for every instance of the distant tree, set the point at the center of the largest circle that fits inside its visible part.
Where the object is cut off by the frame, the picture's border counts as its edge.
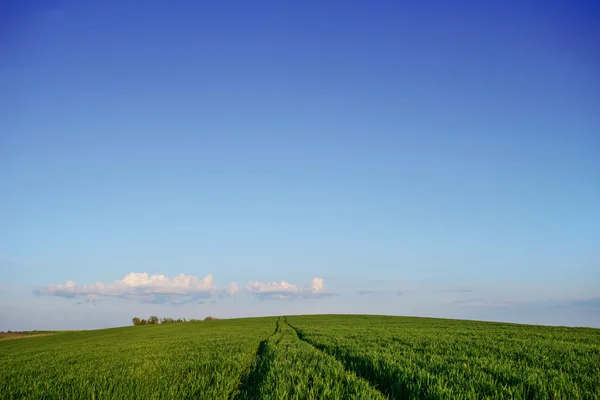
(136, 321)
(153, 320)
(143, 322)
(209, 318)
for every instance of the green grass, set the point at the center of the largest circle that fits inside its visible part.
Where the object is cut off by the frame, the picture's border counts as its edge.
(178, 361)
(307, 357)
(435, 358)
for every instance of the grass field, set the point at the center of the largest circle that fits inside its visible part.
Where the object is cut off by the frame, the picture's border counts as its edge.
(307, 357)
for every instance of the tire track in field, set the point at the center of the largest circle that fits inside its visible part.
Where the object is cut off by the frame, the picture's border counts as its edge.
(251, 382)
(348, 369)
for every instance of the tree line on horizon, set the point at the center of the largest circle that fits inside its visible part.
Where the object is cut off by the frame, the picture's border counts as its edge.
(154, 320)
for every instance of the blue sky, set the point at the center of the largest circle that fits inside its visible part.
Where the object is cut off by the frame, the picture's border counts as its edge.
(424, 158)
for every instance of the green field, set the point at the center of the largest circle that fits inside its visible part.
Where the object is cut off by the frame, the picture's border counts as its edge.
(307, 357)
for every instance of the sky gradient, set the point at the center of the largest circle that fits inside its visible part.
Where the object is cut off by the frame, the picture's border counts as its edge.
(406, 158)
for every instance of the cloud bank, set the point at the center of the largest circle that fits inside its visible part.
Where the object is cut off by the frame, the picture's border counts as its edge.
(181, 289)
(288, 291)
(142, 287)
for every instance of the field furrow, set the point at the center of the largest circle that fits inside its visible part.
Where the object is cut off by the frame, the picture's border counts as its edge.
(292, 369)
(253, 380)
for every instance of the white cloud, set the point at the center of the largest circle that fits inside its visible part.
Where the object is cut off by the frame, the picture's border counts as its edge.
(232, 289)
(317, 285)
(141, 287)
(287, 291)
(271, 287)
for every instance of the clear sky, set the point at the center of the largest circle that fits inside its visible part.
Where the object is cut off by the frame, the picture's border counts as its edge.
(428, 158)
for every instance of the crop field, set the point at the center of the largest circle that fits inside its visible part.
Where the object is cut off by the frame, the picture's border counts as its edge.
(307, 357)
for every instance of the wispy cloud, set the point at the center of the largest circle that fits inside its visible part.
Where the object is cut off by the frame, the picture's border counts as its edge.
(144, 288)
(457, 290)
(590, 303)
(472, 301)
(365, 292)
(89, 299)
(288, 291)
